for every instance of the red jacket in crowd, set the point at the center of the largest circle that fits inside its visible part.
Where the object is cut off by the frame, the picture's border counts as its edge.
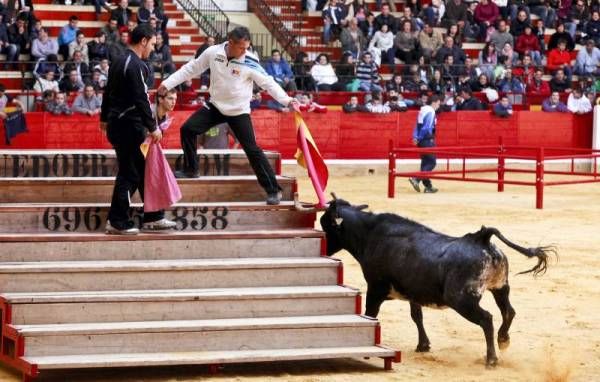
(489, 12)
(526, 43)
(539, 88)
(558, 58)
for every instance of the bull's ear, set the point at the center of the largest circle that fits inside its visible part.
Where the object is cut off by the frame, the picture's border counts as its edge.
(362, 207)
(339, 221)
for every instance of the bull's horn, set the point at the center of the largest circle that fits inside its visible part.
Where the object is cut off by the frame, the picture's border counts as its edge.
(334, 196)
(299, 207)
(362, 207)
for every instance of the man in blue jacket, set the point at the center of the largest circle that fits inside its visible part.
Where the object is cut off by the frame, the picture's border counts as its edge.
(278, 68)
(424, 136)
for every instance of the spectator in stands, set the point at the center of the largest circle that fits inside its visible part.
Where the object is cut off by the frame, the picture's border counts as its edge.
(588, 60)
(430, 41)
(481, 83)
(358, 9)
(148, 10)
(405, 44)
(578, 16)
(466, 101)
(161, 58)
(43, 46)
(59, 105)
(46, 82)
(560, 58)
(11, 50)
(346, 73)
(103, 67)
(353, 106)
(487, 14)
(503, 109)
(375, 105)
(471, 31)
(97, 82)
(119, 48)
(456, 13)
(391, 4)
(76, 63)
(510, 84)
(67, 35)
(382, 46)
(561, 35)
(307, 104)
(71, 83)
(333, 20)
(528, 44)
(500, 37)
(210, 41)
(512, 57)
(97, 48)
(592, 27)
(450, 49)
(488, 59)
(537, 85)
(560, 82)
(35, 30)
(111, 31)
(18, 35)
(278, 68)
(353, 39)
(517, 26)
(131, 24)
(553, 104)
(385, 17)
(87, 102)
(368, 74)
(577, 103)
(543, 10)
(302, 70)
(437, 84)
(100, 4)
(526, 71)
(416, 23)
(395, 84)
(369, 27)
(4, 101)
(81, 46)
(323, 74)
(122, 13)
(450, 71)
(470, 70)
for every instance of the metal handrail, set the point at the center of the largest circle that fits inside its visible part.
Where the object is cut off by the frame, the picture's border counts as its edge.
(208, 16)
(287, 32)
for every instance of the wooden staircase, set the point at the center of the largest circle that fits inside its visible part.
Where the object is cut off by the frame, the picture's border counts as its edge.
(238, 281)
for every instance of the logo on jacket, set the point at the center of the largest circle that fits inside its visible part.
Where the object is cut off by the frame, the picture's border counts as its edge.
(235, 72)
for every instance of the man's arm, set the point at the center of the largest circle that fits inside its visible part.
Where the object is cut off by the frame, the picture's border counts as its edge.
(141, 101)
(78, 106)
(191, 69)
(266, 82)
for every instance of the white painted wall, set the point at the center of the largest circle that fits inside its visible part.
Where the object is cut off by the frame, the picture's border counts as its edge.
(232, 5)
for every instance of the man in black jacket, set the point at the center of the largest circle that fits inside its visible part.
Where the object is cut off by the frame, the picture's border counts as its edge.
(466, 101)
(127, 117)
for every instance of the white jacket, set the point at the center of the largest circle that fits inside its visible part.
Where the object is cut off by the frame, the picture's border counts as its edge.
(382, 41)
(323, 74)
(231, 81)
(579, 105)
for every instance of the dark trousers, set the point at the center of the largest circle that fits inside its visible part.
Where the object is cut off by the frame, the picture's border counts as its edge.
(428, 161)
(241, 125)
(126, 140)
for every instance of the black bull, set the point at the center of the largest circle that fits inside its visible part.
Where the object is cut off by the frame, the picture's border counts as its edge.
(406, 260)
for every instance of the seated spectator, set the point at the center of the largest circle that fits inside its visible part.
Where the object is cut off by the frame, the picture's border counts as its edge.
(71, 83)
(97, 82)
(67, 35)
(540, 32)
(578, 17)
(450, 71)
(537, 85)
(76, 63)
(450, 49)
(161, 57)
(415, 22)
(278, 68)
(456, 13)
(59, 105)
(481, 84)
(512, 57)
(353, 106)
(353, 39)
(103, 67)
(466, 101)
(518, 24)
(81, 46)
(577, 103)
(382, 46)
(148, 11)
(18, 35)
(386, 17)
(376, 106)
(346, 73)
(333, 20)
(528, 44)
(47, 97)
(131, 24)
(87, 102)
(405, 44)
(35, 31)
(560, 82)
(437, 84)
(430, 41)
(119, 48)
(592, 27)
(561, 35)
(323, 74)
(510, 84)
(396, 103)
(433, 13)
(307, 104)
(97, 48)
(122, 13)
(111, 31)
(302, 71)
(10, 49)
(46, 82)
(553, 104)
(256, 102)
(488, 59)
(588, 60)
(368, 26)
(503, 109)
(487, 14)
(368, 74)
(526, 71)
(560, 58)
(501, 36)
(43, 46)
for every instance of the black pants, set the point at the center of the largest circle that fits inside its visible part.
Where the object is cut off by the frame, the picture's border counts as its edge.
(428, 161)
(241, 125)
(126, 139)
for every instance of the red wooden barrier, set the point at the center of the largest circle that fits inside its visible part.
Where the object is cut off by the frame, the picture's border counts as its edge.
(339, 135)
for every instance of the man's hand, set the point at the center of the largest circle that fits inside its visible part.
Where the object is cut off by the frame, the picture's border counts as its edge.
(156, 135)
(89, 112)
(162, 90)
(415, 142)
(294, 104)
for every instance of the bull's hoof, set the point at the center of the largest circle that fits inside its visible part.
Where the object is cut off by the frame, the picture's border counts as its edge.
(503, 343)
(423, 348)
(491, 362)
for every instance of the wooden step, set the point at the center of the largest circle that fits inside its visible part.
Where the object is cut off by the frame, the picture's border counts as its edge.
(205, 358)
(65, 276)
(241, 188)
(196, 335)
(233, 216)
(179, 304)
(83, 163)
(189, 245)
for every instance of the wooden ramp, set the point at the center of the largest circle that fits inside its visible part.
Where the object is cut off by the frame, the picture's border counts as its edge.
(238, 281)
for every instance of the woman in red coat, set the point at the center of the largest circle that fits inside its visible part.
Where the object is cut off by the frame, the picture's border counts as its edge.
(560, 58)
(486, 14)
(528, 43)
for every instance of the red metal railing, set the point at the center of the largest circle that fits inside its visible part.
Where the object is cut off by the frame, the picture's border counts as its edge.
(500, 153)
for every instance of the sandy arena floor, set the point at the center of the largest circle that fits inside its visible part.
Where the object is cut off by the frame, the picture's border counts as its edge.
(555, 335)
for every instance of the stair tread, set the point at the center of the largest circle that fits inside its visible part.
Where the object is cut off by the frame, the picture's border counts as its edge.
(101, 180)
(97, 328)
(209, 357)
(179, 294)
(161, 265)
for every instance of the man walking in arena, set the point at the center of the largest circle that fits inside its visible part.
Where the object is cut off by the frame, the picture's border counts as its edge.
(233, 70)
(127, 117)
(424, 136)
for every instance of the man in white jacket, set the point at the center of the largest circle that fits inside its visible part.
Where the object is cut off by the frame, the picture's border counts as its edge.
(233, 70)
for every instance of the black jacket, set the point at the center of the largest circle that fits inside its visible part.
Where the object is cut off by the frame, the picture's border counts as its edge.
(121, 15)
(126, 93)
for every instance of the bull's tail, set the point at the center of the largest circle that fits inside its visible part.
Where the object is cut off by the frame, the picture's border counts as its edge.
(542, 254)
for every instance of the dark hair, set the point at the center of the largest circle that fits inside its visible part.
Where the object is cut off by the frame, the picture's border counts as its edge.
(73, 18)
(88, 86)
(140, 32)
(2, 88)
(80, 33)
(275, 51)
(239, 34)
(100, 34)
(434, 98)
(322, 55)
